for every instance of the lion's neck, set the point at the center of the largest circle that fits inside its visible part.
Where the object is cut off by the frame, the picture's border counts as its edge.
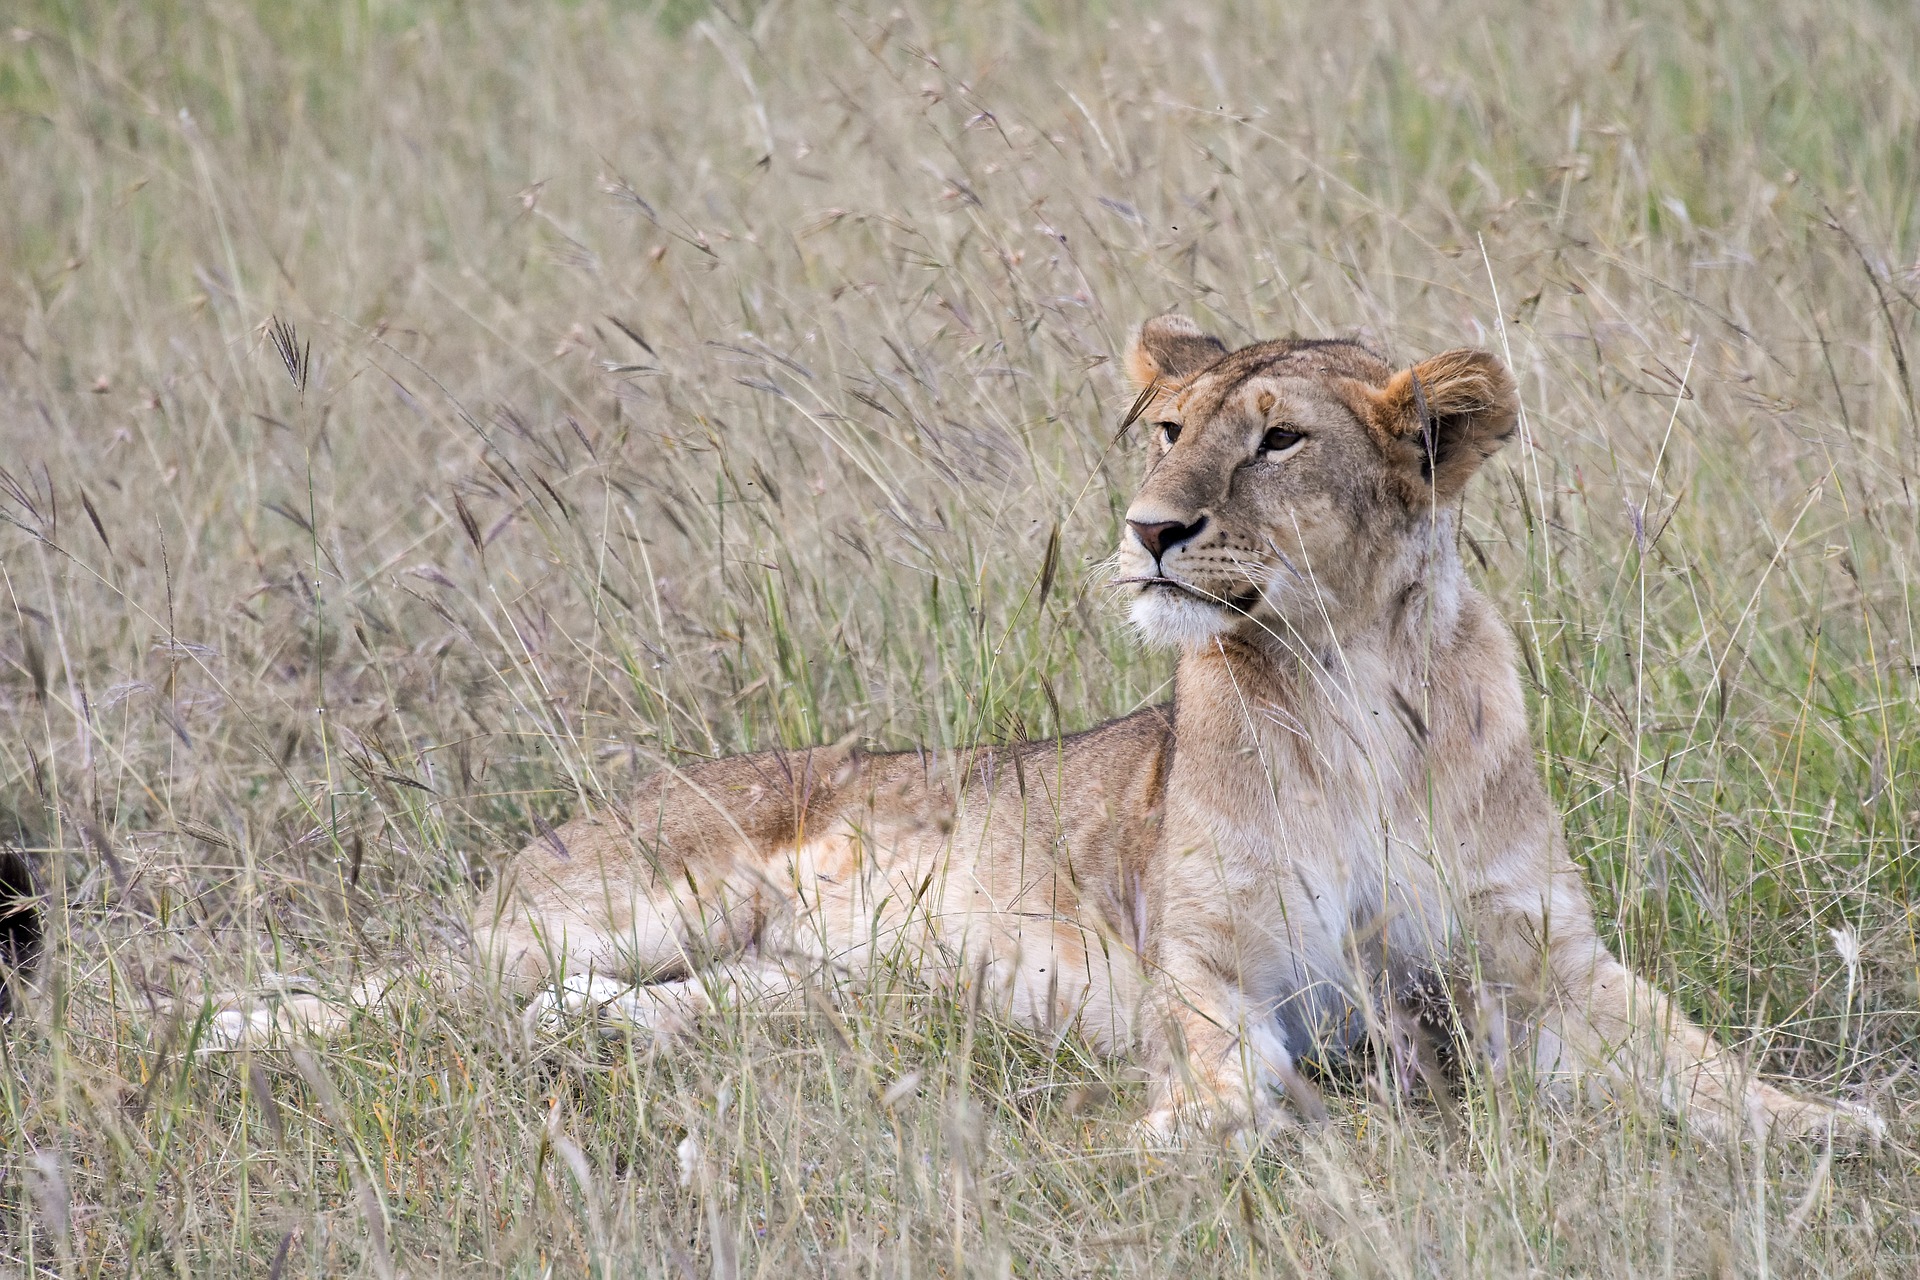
(1392, 629)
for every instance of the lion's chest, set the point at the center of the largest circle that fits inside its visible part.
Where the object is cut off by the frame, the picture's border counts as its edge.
(1332, 870)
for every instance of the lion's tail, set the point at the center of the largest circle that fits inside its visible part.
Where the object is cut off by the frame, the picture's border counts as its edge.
(21, 925)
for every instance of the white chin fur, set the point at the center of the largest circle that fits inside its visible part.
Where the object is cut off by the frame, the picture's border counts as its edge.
(1166, 618)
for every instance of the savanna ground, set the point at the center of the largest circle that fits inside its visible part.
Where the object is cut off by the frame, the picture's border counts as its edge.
(666, 381)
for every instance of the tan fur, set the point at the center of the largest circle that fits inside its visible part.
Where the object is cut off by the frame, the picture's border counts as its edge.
(1338, 817)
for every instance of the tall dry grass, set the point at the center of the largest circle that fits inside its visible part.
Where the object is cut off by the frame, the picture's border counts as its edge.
(661, 381)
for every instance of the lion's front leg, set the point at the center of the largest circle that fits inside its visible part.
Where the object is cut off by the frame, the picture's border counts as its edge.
(1596, 1025)
(1223, 1066)
(1613, 1021)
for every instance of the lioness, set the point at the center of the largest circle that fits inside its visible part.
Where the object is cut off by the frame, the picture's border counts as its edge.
(1336, 825)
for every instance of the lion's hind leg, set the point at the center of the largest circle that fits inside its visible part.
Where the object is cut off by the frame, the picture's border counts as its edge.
(668, 1010)
(286, 1011)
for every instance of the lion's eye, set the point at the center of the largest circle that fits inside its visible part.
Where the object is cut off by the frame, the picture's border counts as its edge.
(1279, 440)
(1169, 431)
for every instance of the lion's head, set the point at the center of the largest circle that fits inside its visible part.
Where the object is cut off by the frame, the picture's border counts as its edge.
(1295, 485)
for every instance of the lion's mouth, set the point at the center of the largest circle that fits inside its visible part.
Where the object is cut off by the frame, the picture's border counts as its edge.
(1161, 582)
(1239, 602)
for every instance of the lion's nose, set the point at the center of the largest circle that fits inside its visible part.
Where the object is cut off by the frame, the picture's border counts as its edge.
(1162, 536)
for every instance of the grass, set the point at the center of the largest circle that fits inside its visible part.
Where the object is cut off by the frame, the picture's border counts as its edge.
(660, 381)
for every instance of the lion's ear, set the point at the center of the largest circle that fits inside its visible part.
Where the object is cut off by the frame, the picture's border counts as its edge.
(1170, 348)
(1447, 415)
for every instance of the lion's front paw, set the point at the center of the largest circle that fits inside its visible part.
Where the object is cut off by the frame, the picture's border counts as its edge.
(237, 1026)
(1848, 1126)
(581, 995)
(276, 1020)
(1178, 1117)
(1158, 1128)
